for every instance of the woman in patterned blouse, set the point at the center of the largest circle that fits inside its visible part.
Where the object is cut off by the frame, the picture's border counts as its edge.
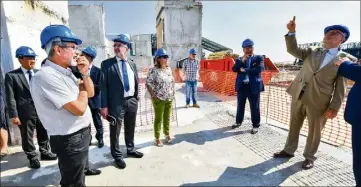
(160, 85)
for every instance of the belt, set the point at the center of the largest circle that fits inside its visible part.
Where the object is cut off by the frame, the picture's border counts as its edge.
(245, 82)
(68, 135)
(126, 98)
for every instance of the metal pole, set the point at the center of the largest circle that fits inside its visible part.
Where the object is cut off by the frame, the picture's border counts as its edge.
(268, 97)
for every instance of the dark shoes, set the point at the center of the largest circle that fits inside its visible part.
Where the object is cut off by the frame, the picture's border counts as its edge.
(236, 125)
(99, 137)
(135, 154)
(34, 163)
(307, 164)
(100, 143)
(119, 162)
(254, 131)
(90, 172)
(48, 156)
(283, 154)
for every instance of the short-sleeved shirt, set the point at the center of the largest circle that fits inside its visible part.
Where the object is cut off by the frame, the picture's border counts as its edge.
(162, 83)
(191, 70)
(51, 88)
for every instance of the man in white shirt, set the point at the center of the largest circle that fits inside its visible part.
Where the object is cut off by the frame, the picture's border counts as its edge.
(21, 107)
(119, 98)
(62, 102)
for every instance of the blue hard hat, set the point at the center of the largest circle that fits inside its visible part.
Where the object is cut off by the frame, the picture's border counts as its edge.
(247, 43)
(161, 53)
(24, 51)
(193, 51)
(61, 31)
(90, 51)
(341, 28)
(122, 38)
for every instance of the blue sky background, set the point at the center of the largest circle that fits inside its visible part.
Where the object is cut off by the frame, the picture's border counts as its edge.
(230, 22)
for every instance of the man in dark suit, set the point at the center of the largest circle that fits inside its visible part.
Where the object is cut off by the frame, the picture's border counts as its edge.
(352, 71)
(119, 98)
(94, 103)
(249, 84)
(22, 110)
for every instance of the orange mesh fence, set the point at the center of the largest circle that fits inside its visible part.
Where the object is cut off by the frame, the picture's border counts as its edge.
(145, 114)
(275, 102)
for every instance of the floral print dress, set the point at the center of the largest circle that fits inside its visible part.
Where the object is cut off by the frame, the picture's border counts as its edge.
(161, 81)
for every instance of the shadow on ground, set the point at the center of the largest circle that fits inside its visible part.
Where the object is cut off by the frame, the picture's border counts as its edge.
(48, 174)
(256, 175)
(206, 96)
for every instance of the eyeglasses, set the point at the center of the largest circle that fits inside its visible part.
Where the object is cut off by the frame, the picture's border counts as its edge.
(119, 46)
(332, 33)
(75, 48)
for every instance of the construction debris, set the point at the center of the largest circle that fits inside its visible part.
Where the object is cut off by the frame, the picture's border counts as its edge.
(222, 55)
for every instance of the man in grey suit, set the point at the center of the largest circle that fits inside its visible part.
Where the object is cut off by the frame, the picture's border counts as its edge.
(317, 91)
(22, 110)
(119, 98)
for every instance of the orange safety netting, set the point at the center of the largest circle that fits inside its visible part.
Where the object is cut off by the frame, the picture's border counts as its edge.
(274, 106)
(275, 102)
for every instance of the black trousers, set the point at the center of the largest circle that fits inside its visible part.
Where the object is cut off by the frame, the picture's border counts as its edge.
(254, 102)
(27, 128)
(130, 114)
(97, 123)
(72, 151)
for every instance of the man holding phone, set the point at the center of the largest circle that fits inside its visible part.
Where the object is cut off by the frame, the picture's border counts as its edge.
(119, 98)
(62, 102)
(249, 84)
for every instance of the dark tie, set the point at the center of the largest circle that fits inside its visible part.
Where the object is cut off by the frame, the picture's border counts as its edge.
(248, 62)
(125, 76)
(30, 75)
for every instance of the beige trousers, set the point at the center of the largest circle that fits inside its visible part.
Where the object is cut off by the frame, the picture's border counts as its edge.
(316, 122)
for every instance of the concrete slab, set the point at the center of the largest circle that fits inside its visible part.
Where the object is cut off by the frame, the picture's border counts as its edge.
(206, 152)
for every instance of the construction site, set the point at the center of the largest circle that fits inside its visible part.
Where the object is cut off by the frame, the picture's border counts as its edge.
(206, 152)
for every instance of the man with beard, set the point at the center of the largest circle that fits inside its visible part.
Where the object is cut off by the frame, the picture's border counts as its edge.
(119, 98)
(21, 107)
(249, 84)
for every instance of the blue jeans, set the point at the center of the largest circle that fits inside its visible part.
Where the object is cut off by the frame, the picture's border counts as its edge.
(191, 88)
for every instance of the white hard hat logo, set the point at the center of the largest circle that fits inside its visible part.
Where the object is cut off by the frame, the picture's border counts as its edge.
(30, 51)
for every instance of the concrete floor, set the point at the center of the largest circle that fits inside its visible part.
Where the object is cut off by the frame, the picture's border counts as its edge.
(206, 152)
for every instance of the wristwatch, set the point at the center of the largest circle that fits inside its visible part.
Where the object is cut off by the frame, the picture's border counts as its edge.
(85, 75)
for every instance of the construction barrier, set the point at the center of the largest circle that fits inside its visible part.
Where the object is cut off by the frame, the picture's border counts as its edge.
(274, 106)
(275, 102)
(144, 119)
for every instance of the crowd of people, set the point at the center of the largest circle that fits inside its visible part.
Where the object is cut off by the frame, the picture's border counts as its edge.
(68, 93)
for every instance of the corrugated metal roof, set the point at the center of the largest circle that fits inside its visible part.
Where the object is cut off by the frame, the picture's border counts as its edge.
(213, 46)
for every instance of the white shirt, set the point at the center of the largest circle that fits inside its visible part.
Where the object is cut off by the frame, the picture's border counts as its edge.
(51, 88)
(332, 53)
(90, 68)
(130, 78)
(27, 74)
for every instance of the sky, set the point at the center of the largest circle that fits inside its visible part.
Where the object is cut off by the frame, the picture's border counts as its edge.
(231, 22)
